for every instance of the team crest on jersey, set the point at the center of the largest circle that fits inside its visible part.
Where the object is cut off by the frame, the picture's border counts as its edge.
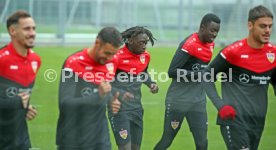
(271, 57)
(123, 134)
(34, 65)
(143, 59)
(110, 67)
(174, 124)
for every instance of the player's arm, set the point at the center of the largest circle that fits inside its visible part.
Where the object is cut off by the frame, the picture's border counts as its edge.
(273, 81)
(179, 59)
(123, 95)
(219, 64)
(19, 101)
(150, 83)
(67, 96)
(11, 103)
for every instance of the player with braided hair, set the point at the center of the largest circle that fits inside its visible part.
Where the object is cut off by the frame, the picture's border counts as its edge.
(127, 124)
(134, 31)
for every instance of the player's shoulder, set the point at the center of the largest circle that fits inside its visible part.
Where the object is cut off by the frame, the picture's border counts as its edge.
(5, 53)
(123, 52)
(115, 59)
(4, 49)
(190, 43)
(234, 48)
(74, 59)
(271, 47)
(120, 52)
(34, 55)
(146, 53)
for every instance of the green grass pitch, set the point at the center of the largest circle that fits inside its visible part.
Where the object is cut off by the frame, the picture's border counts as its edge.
(45, 97)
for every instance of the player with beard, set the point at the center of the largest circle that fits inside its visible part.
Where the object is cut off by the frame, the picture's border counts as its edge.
(19, 66)
(84, 93)
(243, 106)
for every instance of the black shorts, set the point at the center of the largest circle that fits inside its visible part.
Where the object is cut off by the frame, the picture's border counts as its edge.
(238, 138)
(196, 116)
(197, 121)
(127, 126)
(12, 143)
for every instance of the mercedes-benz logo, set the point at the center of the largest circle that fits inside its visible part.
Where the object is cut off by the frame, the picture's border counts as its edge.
(196, 67)
(244, 78)
(11, 92)
(86, 91)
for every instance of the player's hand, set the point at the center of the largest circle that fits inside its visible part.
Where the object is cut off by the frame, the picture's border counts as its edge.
(227, 112)
(104, 88)
(115, 104)
(127, 96)
(154, 88)
(25, 97)
(31, 113)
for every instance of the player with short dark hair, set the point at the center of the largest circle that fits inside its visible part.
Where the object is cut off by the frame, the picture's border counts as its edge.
(185, 96)
(19, 66)
(127, 125)
(85, 91)
(250, 66)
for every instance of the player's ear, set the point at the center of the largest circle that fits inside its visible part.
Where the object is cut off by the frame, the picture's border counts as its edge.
(202, 28)
(250, 25)
(130, 40)
(97, 43)
(12, 30)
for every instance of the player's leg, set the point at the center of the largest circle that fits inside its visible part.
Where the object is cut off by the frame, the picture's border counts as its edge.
(25, 145)
(255, 137)
(126, 146)
(121, 130)
(106, 146)
(235, 138)
(198, 123)
(136, 129)
(172, 124)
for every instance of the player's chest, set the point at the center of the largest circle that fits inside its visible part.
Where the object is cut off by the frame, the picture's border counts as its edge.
(203, 52)
(256, 61)
(94, 73)
(19, 70)
(135, 64)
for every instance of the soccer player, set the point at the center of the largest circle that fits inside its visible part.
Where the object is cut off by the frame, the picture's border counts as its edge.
(84, 92)
(250, 66)
(127, 124)
(19, 66)
(185, 96)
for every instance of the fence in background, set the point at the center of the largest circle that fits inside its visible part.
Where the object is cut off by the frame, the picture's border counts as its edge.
(64, 22)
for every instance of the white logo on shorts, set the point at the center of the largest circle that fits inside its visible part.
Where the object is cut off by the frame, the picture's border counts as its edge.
(174, 124)
(123, 134)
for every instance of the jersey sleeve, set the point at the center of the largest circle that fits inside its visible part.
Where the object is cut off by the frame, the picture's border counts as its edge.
(273, 81)
(10, 103)
(148, 81)
(219, 64)
(188, 47)
(180, 57)
(229, 53)
(121, 92)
